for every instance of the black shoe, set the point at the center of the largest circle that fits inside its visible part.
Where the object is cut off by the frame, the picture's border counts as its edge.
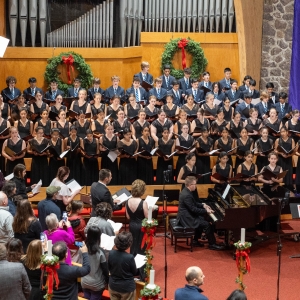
(215, 247)
(197, 244)
(203, 237)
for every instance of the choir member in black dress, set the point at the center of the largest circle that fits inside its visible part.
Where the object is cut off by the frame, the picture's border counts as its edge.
(264, 143)
(225, 143)
(235, 125)
(90, 161)
(5, 108)
(285, 160)
(244, 143)
(121, 123)
(222, 168)
(98, 125)
(62, 124)
(248, 168)
(81, 104)
(15, 108)
(58, 104)
(293, 125)
(150, 110)
(97, 105)
(144, 163)
(199, 123)
(159, 124)
(128, 164)
(170, 108)
(57, 146)
(206, 143)
(73, 143)
(139, 125)
(39, 162)
(167, 145)
(217, 125)
(45, 123)
(253, 124)
(38, 106)
(24, 126)
(184, 140)
(298, 168)
(114, 107)
(190, 107)
(110, 141)
(82, 125)
(228, 110)
(17, 145)
(182, 121)
(132, 109)
(274, 123)
(4, 124)
(210, 109)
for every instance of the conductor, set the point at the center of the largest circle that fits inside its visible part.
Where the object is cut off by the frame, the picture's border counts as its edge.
(191, 215)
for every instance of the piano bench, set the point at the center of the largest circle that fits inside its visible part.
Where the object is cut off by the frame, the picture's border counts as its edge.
(179, 232)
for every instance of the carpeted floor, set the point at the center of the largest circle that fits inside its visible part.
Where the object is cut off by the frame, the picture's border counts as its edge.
(220, 269)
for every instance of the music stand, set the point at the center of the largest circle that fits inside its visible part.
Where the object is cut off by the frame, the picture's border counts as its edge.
(295, 210)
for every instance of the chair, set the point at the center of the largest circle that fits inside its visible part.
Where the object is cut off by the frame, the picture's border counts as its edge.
(179, 232)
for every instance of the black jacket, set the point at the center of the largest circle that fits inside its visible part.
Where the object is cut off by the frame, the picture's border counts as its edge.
(21, 188)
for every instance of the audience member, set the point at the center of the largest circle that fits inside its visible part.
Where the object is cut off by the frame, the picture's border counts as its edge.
(14, 250)
(68, 275)
(48, 206)
(60, 231)
(6, 220)
(195, 277)
(9, 189)
(94, 283)
(14, 281)
(122, 268)
(237, 295)
(32, 264)
(26, 226)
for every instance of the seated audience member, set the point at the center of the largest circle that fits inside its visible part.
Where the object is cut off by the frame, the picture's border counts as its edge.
(195, 277)
(26, 226)
(14, 281)
(94, 283)
(9, 189)
(237, 295)
(122, 268)
(14, 250)
(32, 264)
(68, 275)
(60, 231)
(190, 215)
(48, 206)
(6, 220)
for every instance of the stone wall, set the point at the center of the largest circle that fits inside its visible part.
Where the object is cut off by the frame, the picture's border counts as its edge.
(277, 43)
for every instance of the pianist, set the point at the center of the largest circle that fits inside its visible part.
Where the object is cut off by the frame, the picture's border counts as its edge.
(191, 215)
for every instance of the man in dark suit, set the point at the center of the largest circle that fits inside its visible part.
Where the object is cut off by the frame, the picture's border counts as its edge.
(10, 92)
(114, 90)
(190, 214)
(159, 92)
(136, 89)
(144, 75)
(233, 94)
(73, 92)
(167, 79)
(95, 89)
(185, 82)
(100, 193)
(68, 275)
(282, 107)
(195, 91)
(32, 89)
(244, 107)
(177, 94)
(251, 90)
(273, 97)
(264, 106)
(205, 81)
(225, 83)
(54, 91)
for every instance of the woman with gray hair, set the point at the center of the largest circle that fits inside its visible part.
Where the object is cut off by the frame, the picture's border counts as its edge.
(60, 232)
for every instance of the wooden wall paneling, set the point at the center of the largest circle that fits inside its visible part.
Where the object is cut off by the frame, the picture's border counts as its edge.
(2, 18)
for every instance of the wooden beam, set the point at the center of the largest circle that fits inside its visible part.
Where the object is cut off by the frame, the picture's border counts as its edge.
(2, 18)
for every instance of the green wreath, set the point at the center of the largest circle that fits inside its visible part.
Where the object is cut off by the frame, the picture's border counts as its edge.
(72, 60)
(199, 61)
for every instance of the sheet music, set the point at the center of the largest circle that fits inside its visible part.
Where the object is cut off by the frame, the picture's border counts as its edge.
(140, 260)
(123, 198)
(226, 191)
(217, 102)
(37, 188)
(9, 177)
(107, 242)
(115, 225)
(150, 200)
(213, 151)
(255, 101)
(73, 185)
(112, 155)
(64, 153)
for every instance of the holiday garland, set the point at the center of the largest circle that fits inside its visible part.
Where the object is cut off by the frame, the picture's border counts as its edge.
(199, 62)
(71, 60)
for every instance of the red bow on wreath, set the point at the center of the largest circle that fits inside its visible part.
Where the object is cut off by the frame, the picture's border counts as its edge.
(182, 44)
(69, 62)
(51, 276)
(243, 253)
(148, 237)
(152, 297)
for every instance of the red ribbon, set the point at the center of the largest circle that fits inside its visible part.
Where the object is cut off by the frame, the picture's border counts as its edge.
(243, 253)
(152, 297)
(181, 45)
(51, 276)
(148, 237)
(69, 62)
